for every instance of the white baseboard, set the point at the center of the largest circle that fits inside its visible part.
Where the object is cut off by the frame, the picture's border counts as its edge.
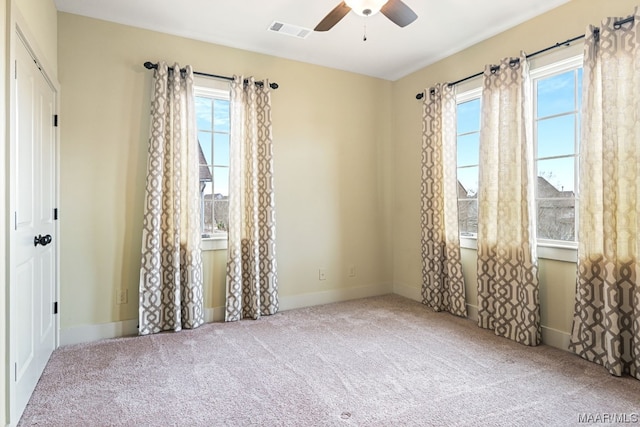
(415, 293)
(555, 338)
(472, 312)
(550, 336)
(125, 328)
(334, 295)
(215, 314)
(89, 333)
(407, 291)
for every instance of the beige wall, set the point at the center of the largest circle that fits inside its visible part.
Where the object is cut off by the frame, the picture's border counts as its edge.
(41, 17)
(331, 132)
(557, 279)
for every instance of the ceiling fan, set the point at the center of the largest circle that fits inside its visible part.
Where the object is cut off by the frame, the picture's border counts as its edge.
(396, 10)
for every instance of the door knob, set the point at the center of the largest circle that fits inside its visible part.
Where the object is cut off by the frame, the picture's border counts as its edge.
(42, 240)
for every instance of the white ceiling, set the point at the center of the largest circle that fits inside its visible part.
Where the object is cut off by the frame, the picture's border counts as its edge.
(443, 27)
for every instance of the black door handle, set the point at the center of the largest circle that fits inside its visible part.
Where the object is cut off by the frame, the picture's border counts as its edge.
(42, 240)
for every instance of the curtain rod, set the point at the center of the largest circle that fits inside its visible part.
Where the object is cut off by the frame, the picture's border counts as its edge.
(151, 66)
(616, 25)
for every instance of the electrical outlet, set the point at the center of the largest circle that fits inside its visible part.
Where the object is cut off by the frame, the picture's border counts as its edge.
(352, 271)
(322, 274)
(122, 296)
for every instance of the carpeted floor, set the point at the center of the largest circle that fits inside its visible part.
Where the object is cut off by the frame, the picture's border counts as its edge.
(383, 361)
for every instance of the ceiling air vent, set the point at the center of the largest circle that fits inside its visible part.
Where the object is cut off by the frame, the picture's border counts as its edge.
(290, 30)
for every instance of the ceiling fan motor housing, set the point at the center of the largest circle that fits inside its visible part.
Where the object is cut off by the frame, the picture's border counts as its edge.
(366, 7)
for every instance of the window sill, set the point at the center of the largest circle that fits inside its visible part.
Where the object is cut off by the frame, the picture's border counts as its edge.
(555, 251)
(215, 242)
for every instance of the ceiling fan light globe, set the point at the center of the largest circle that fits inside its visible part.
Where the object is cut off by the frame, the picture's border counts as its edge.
(366, 7)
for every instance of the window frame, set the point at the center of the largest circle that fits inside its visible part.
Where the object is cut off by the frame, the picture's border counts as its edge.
(556, 68)
(466, 96)
(215, 90)
(554, 61)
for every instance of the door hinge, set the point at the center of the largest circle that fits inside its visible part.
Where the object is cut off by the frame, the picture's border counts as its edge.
(55, 214)
(15, 70)
(55, 120)
(55, 307)
(15, 220)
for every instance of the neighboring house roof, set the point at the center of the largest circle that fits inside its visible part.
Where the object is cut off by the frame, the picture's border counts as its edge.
(462, 192)
(205, 172)
(546, 189)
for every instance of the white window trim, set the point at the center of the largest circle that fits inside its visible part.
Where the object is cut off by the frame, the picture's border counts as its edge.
(556, 252)
(214, 243)
(211, 92)
(212, 89)
(469, 95)
(546, 249)
(551, 247)
(557, 67)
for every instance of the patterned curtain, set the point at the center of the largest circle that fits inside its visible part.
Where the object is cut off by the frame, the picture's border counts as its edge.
(252, 281)
(606, 323)
(508, 301)
(171, 271)
(442, 281)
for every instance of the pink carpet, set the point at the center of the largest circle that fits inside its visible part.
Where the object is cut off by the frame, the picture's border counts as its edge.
(384, 361)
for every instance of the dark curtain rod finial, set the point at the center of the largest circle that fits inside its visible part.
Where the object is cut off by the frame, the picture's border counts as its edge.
(151, 66)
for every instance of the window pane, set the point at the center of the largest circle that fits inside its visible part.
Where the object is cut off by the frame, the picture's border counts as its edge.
(206, 188)
(221, 213)
(556, 136)
(556, 219)
(203, 113)
(468, 179)
(468, 149)
(207, 216)
(220, 182)
(221, 120)
(468, 216)
(205, 144)
(556, 94)
(221, 149)
(213, 122)
(556, 178)
(468, 116)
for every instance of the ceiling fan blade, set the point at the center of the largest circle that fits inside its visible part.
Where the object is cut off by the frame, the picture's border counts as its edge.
(399, 13)
(333, 17)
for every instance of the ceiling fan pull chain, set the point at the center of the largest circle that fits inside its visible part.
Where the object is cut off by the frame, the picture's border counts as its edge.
(364, 38)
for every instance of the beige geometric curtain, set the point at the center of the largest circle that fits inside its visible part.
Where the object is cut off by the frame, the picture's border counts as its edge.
(508, 301)
(171, 269)
(606, 325)
(442, 281)
(252, 281)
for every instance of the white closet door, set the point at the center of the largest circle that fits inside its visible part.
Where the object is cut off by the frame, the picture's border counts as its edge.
(33, 231)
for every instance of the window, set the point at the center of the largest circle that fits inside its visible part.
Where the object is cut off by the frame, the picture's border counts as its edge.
(557, 98)
(468, 144)
(212, 111)
(557, 92)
